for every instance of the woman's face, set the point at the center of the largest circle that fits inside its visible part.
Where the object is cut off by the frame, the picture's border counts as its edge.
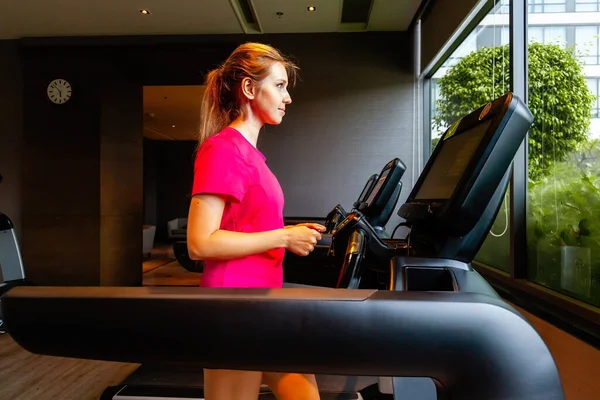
(272, 96)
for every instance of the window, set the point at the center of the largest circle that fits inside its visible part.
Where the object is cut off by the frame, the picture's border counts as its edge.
(586, 44)
(586, 5)
(548, 35)
(488, 41)
(563, 199)
(593, 84)
(547, 6)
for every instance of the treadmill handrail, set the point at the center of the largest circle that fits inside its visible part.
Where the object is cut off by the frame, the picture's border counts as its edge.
(475, 346)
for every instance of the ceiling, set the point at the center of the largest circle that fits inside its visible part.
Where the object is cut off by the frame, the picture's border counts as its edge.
(172, 113)
(44, 18)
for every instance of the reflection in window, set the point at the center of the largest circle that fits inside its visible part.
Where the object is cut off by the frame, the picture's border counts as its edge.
(480, 68)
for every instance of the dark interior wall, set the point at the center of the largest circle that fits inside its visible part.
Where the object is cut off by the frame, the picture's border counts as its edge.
(61, 170)
(168, 175)
(11, 129)
(121, 181)
(150, 181)
(82, 170)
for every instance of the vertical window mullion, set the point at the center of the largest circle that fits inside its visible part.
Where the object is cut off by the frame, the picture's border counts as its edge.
(518, 187)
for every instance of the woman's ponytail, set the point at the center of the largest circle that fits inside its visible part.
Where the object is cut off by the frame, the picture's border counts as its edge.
(213, 116)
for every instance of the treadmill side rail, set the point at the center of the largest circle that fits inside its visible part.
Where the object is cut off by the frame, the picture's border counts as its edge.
(475, 346)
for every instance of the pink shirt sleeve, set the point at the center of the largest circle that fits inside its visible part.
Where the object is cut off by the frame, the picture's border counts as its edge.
(220, 169)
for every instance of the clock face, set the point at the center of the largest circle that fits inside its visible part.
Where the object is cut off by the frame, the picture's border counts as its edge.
(59, 91)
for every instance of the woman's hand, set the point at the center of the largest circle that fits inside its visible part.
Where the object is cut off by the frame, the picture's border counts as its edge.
(302, 238)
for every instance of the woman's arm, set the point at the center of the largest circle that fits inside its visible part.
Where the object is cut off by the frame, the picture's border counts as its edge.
(207, 241)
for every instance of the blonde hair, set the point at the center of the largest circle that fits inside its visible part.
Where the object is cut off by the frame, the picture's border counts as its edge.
(221, 103)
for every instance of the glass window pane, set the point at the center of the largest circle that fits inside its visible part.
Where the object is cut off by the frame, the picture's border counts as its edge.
(586, 5)
(535, 34)
(555, 35)
(586, 44)
(592, 84)
(563, 224)
(480, 67)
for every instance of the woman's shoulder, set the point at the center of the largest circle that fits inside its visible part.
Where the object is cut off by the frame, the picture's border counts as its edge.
(221, 141)
(232, 141)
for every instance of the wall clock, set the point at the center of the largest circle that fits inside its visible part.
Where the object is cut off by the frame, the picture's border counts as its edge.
(59, 91)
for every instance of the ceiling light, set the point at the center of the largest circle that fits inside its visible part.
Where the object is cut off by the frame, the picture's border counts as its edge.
(311, 8)
(144, 11)
(172, 126)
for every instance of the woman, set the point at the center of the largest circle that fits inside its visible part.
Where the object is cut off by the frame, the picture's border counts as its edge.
(235, 220)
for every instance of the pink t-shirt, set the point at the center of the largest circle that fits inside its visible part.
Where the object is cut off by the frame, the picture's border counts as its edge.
(228, 164)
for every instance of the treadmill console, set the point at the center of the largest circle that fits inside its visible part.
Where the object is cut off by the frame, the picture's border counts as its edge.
(334, 217)
(384, 187)
(366, 190)
(377, 199)
(467, 167)
(357, 221)
(382, 199)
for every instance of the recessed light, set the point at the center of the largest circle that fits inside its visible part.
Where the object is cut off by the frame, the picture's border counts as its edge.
(172, 126)
(311, 8)
(144, 11)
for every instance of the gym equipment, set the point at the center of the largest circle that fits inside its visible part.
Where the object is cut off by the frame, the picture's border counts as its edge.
(376, 205)
(11, 265)
(453, 203)
(333, 217)
(378, 202)
(366, 190)
(440, 319)
(180, 250)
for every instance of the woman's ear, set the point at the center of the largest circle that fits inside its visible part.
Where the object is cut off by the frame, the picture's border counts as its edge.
(248, 88)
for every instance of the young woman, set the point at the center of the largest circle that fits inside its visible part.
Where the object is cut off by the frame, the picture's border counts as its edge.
(235, 220)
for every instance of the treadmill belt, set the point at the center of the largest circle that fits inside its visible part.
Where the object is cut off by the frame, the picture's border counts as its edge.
(191, 376)
(177, 393)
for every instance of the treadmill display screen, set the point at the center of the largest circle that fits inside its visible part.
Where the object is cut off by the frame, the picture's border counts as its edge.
(378, 186)
(451, 163)
(365, 191)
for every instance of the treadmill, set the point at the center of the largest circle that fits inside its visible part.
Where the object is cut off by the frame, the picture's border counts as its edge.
(11, 264)
(376, 204)
(377, 201)
(439, 320)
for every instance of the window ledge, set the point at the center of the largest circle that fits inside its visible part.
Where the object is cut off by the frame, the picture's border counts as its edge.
(575, 317)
